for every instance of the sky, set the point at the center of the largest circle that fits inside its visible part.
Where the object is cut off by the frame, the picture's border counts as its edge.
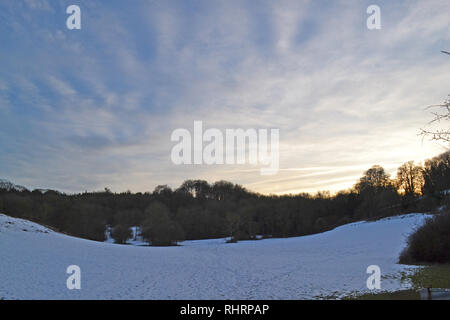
(93, 108)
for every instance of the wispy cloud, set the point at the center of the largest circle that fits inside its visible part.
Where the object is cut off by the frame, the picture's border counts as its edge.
(95, 107)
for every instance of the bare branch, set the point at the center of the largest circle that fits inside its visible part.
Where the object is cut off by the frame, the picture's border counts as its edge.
(442, 114)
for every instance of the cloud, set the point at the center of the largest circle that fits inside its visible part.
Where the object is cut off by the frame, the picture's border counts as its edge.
(95, 107)
(61, 87)
(38, 4)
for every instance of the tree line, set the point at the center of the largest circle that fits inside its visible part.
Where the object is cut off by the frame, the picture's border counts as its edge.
(201, 210)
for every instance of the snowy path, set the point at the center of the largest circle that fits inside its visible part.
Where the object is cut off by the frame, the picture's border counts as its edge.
(33, 264)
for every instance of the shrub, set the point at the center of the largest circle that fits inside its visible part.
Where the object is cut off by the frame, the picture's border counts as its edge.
(429, 243)
(121, 234)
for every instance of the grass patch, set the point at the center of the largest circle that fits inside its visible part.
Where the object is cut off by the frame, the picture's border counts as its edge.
(434, 276)
(397, 295)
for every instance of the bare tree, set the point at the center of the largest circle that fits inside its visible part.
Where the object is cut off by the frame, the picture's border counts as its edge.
(410, 178)
(441, 113)
(374, 178)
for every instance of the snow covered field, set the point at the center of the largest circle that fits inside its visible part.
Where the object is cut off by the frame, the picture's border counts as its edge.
(33, 262)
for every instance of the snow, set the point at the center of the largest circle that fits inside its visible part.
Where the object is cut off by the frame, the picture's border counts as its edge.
(33, 264)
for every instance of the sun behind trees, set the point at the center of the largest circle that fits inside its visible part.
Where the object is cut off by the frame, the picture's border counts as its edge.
(202, 210)
(410, 179)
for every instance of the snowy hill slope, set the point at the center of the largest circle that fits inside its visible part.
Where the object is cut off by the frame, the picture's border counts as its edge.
(33, 262)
